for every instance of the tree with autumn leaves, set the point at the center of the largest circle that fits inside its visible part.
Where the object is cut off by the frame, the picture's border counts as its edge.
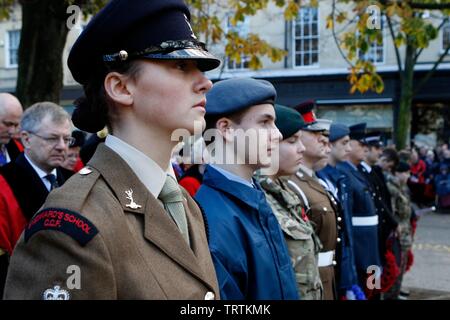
(44, 34)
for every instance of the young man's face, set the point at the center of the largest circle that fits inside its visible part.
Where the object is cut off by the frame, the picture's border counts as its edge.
(340, 149)
(373, 154)
(291, 154)
(169, 95)
(385, 164)
(358, 152)
(258, 121)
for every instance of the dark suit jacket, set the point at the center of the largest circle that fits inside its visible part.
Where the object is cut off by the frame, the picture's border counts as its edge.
(13, 150)
(28, 188)
(365, 238)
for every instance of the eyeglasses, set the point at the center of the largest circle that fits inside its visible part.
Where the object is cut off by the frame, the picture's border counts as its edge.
(55, 140)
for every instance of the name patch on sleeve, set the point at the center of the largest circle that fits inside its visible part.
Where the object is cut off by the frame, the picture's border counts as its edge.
(71, 223)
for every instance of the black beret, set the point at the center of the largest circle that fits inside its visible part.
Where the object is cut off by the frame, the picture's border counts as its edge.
(79, 137)
(288, 120)
(338, 131)
(358, 132)
(124, 30)
(236, 94)
(402, 167)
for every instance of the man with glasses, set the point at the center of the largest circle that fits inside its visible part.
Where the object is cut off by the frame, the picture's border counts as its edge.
(10, 114)
(26, 182)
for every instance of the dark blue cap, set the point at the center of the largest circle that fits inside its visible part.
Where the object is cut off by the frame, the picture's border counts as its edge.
(124, 30)
(236, 94)
(358, 132)
(288, 120)
(374, 139)
(338, 131)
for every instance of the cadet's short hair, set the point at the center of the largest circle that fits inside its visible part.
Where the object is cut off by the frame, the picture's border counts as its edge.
(33, 116)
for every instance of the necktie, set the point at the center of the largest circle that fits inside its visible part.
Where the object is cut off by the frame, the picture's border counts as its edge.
(53, 182)
(172, 198)
(2, 157)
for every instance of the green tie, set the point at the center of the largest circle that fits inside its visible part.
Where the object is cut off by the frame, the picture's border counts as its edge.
(172, 198)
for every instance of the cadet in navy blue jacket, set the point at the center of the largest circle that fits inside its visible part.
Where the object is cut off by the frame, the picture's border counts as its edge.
(246, 242)
(364, 215)
(337, 185)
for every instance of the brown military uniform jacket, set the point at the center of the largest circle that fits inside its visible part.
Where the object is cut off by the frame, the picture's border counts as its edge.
(322, 214)
(122, 251)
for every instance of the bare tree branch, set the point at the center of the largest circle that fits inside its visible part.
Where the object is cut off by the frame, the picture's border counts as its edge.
(397, 53)
(333, 30)
(441, 25)
(431, 72)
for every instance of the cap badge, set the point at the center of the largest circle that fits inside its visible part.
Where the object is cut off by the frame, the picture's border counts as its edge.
(132, 204)
(190, 28)
(123, 55)
(56, 293)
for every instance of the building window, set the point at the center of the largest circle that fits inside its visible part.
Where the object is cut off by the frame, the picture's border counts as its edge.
(306, 37)
(446, 35)
(12, 48)
(375, 53)
(242, 29)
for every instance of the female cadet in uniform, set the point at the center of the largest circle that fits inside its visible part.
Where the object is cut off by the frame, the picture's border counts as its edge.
(121, 228)
(302, 242)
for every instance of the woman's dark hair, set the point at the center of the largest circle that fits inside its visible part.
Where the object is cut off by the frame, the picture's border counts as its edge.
(95, 109)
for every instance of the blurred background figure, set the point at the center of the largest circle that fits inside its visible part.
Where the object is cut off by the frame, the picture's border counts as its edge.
(10, 115)
(72, 160)
(442, 184)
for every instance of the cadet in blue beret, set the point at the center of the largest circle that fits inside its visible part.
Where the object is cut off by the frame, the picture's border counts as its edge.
(362, 207)
(337, 185)
(302, 242)
(123, 221)
(247, 244)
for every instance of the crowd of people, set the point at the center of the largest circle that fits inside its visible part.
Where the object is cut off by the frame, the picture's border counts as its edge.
(334, 221)
(430, 179)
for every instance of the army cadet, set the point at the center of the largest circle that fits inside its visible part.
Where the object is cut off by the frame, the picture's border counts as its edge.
(302, 242)
(363, 211)
(336, 183)
(401, 205)
(247, 244)
(121, 228)
(321, 209)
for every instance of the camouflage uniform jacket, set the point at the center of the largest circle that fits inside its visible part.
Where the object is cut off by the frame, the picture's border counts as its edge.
(303, 244)
(401, 206)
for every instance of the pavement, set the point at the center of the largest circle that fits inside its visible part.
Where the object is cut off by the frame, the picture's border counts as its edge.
(429, 277)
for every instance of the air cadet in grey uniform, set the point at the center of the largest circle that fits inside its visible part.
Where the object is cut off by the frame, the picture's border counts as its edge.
(122, 228)
(303, 244)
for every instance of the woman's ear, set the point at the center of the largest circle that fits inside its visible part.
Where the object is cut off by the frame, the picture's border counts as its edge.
(116, 87)
(225, 128)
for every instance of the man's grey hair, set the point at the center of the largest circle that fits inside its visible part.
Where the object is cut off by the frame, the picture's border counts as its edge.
(33, 116)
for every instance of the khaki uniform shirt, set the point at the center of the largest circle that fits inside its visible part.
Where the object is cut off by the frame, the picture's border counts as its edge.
(93, 240)
(323, 216)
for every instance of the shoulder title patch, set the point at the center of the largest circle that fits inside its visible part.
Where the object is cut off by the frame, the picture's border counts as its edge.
(64, 220)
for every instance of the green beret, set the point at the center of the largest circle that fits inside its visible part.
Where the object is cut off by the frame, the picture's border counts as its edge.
(288, 120)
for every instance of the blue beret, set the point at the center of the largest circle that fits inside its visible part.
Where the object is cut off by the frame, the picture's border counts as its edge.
(124, 30)
(358, 132)
(288, 120)
(236, 94)
(338, 131)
